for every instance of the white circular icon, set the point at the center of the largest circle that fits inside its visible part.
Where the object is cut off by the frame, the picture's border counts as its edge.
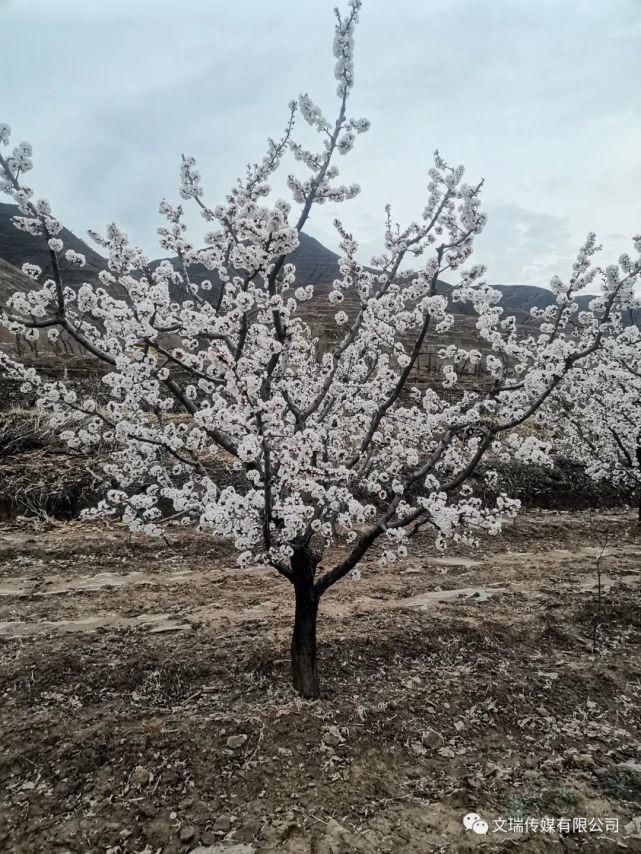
(470, 820)
(481, 827)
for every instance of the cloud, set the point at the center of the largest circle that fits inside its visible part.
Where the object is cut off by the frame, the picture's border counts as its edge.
(518, 246)
(537, 96)
(521, 246)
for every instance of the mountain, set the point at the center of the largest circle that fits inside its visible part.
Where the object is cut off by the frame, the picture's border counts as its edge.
(519, 299)
(315, 264)
(17, 246)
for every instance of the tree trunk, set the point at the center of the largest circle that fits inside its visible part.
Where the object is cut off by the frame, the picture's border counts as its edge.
(304, 666)
(638, 452)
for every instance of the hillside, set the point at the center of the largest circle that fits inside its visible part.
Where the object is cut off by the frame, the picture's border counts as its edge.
(17, 246)
(12, 279)
(315, 264)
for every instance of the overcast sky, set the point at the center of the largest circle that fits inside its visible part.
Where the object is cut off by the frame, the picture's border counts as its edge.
(542, 98)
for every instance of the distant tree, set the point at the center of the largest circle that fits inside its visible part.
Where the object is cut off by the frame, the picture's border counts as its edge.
(340, 451)
(597, 417)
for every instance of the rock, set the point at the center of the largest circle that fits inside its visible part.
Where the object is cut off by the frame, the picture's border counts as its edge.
(339, 840)
(447, 752)
(459, 726)
(333, 737)
(583, 760)
(633, 828)
(224, 849)
(235, 742)
(337, 837)
(208, 837)
(187, 833)
(222, 823)
(140, 776)
(432, 739)
(335, 828)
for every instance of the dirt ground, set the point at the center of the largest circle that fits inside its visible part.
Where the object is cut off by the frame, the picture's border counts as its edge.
(145, 702)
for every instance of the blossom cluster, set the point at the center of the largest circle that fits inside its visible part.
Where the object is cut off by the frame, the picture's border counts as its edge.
(596, 419)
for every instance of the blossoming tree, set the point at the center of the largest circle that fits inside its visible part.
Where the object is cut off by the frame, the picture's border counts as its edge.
(340, 451)
(597, 417)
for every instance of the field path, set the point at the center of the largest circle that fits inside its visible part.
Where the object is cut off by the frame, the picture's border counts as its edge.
(146, 706)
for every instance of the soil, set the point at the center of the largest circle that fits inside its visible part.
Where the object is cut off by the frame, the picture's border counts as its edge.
(145, 701)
